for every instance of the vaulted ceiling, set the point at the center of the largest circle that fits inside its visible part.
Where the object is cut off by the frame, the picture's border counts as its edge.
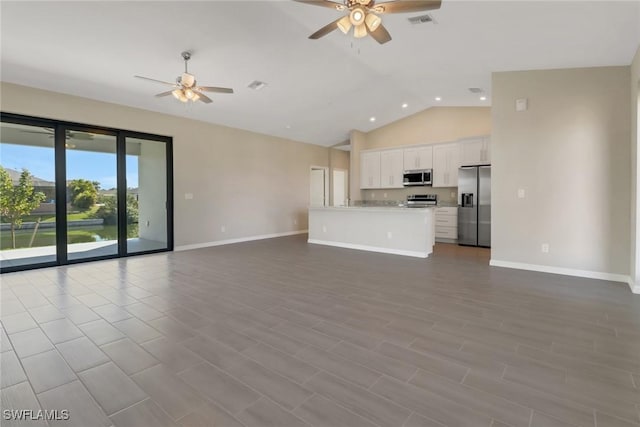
(317, 90)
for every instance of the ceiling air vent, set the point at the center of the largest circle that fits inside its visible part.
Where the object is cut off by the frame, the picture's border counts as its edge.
(257, 85)
(423, 19)
(475, 90)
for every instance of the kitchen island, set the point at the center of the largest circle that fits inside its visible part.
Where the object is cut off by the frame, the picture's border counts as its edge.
(393, 230)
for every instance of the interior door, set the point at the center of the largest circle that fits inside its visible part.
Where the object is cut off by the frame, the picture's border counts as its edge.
(318, 191)
(339, 187)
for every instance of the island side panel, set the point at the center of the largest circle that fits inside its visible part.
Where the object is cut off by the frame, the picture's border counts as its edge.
(408, 232)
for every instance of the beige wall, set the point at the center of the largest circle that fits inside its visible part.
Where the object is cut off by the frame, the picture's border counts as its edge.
(635, 173)
(430, 126)
(570, 153)
(251, 184)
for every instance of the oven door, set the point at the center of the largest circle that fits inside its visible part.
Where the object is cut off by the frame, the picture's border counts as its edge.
(412, 178)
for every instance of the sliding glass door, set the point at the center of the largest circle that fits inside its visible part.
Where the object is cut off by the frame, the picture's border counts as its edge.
(146, 202)
(71, 193)
(27, 195)
(92, 194)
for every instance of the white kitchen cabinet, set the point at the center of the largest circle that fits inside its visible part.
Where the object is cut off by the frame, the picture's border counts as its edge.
(475, 151)
(391, 169)
(446, 224)
(370, 170)
(446, 161)
(418, 158)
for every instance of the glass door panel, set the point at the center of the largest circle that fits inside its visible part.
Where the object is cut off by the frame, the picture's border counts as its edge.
(27, 195)
(92, 196)
(146, 165)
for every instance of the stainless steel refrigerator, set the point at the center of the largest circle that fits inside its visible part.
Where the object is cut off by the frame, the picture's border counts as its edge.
(474, 206)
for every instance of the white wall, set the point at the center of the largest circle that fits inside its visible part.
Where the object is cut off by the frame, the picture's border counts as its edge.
(252, 184)
(152, 192)
(570, 153)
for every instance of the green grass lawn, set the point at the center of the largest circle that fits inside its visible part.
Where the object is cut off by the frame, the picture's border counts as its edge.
(73, 216)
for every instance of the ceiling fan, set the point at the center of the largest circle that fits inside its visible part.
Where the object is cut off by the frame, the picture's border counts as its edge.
(185, 88)
(69, 134)
(363, 16)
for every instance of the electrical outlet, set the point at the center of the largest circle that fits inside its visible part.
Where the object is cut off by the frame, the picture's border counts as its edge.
(324, 228)
(373, 195)
(545, 248)
(389, 235)
(188, 196)
(223, 229)
(295, 222)
(453, 195)
(384, 195)
(521, 193)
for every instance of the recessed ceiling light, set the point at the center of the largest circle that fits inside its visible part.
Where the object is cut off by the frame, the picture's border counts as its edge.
(483, 98)
(438, 98)
(405, 105)
(372, 119)
(288, 126)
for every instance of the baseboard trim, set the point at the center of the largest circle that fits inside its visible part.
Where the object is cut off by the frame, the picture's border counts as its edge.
(564, 271)
(635, 287)
(238, 240)
(414, 254)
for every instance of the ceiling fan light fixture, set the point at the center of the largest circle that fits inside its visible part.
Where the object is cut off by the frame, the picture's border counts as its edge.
(357, 16)
(195, 97)
(189, 93)
(360, 31)
(187, 80)
(344, 24)
(373, 21)
(179, 94)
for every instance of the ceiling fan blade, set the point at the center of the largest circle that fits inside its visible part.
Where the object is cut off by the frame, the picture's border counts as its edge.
(381, 35)
(323, 3)
(160, 95)
(400, 6)
(80, 136)
(325, 30)
(215, 89)
(154, 80)
(204, 98)
(35, 131)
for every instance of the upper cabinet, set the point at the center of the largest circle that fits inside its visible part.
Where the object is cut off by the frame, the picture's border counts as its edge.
(418, 158)
(370, 169)
(475, 151)
(391, 169)
(446, 161)
(385, 168)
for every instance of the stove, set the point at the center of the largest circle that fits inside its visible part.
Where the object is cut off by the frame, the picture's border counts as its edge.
(422, 200)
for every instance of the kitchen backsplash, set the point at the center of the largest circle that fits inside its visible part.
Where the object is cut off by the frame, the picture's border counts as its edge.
(446, 196)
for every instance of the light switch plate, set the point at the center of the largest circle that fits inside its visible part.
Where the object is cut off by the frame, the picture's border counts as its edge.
(188, 196)
(521, 193)
(522, 104)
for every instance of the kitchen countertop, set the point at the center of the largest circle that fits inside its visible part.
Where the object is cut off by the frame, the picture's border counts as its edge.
(371, 208)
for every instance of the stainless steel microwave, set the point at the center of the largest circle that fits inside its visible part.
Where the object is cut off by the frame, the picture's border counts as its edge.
(417, 177)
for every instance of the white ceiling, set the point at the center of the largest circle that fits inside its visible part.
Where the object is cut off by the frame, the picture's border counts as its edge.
(318, 90)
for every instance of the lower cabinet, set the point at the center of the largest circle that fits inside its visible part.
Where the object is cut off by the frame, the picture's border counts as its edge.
(446, 225)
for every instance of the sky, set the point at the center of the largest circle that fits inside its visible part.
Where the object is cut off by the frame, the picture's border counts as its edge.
(93, 166)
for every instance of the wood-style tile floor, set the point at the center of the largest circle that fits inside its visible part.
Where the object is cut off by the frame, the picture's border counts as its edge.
(281, 333)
